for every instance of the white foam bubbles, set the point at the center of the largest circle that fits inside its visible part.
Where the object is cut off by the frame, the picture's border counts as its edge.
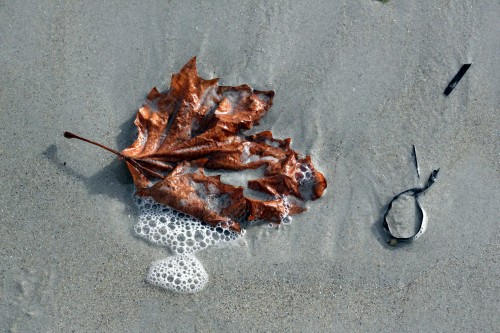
(179, 273)
(183, 235)
(305, 176)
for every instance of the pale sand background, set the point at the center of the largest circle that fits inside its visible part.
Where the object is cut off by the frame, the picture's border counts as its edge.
(357, 83)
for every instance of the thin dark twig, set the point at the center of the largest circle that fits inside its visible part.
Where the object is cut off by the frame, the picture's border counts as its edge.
(416, 161)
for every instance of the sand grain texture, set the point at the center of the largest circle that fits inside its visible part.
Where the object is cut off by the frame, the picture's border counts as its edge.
(357, 83)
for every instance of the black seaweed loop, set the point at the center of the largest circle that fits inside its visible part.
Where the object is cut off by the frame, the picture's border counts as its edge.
(414, 192)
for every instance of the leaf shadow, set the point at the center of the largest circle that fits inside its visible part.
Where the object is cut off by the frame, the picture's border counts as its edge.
(114, 180)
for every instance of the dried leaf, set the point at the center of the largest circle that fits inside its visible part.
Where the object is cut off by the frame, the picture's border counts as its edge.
(197, 124)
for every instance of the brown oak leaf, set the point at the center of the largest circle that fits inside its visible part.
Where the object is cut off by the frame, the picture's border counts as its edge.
(198, 125)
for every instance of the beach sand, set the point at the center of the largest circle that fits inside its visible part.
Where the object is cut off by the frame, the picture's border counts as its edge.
(357, 84)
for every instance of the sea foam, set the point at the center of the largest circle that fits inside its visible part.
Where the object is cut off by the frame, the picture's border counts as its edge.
(183, 235)
(179, 273)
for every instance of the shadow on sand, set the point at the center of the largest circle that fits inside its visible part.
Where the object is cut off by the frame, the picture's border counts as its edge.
(114, 180)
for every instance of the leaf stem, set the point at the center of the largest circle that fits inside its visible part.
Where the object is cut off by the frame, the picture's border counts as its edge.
(133, 161)
(69, 135)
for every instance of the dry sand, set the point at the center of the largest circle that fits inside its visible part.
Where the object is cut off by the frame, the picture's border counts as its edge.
(357, 83)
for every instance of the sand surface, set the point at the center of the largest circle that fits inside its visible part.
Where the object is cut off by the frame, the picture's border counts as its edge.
(357, 84)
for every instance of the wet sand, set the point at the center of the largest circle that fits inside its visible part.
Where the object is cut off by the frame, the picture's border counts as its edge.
(357, 84)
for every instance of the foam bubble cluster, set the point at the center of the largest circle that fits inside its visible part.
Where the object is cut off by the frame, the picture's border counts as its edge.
(181, 233)
(179, 273)
(184, 235)
(305, 176)
(286, 218)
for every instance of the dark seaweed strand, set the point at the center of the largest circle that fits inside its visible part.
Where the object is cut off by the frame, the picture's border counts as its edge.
(416, 161)
(453, 83)
(414, 192)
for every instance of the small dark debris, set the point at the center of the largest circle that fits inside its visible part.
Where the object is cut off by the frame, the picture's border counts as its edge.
(453, 83)
(415, 160)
